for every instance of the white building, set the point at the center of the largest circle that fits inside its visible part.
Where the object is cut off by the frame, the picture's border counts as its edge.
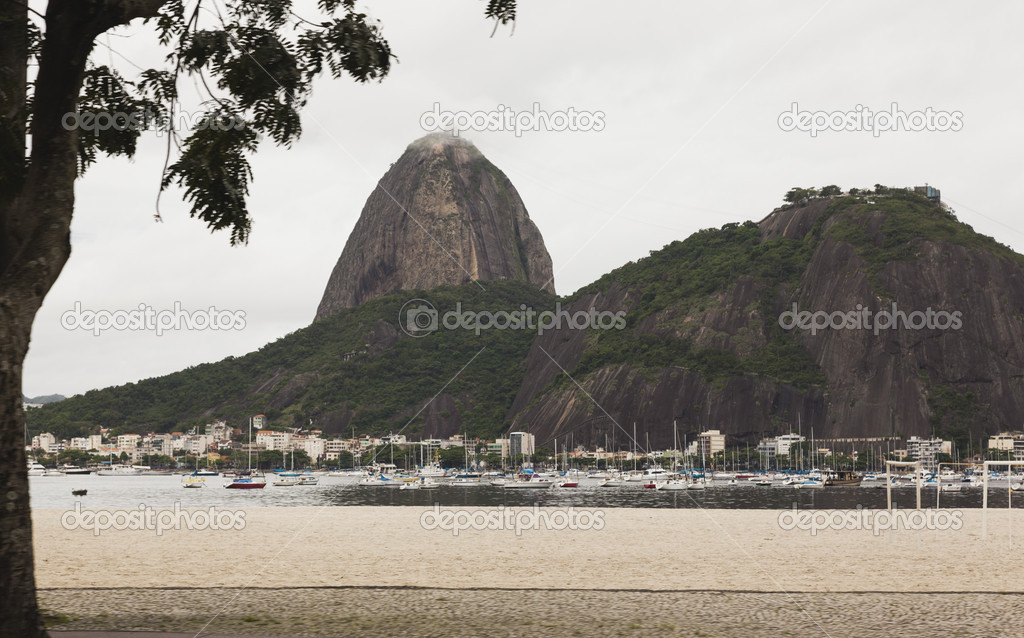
(158, 444)
(499, 447)
(708, 443)
(521, 444)
(784, 443)
(314, 446)
(128, 442)
(925, 450)
(79, 443)
(273, 440)
(1003, 442)
(219, 430)
(43, 442)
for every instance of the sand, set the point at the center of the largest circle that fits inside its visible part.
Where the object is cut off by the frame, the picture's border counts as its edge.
(643, 570)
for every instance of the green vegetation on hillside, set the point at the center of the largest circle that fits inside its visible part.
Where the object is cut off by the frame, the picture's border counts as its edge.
(328, 368)
(686, 274)
(358, 369)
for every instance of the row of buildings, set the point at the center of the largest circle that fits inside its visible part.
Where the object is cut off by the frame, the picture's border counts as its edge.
(218, 437)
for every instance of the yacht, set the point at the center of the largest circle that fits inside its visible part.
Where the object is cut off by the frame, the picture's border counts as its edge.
(379, 480)
(73, 470)
(36, 469)
(671, 486)
(119, 470)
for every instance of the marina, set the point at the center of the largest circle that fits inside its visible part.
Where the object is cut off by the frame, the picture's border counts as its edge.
(335, 489)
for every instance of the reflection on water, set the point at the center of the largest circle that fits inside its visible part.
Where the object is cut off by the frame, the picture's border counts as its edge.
(165, 491)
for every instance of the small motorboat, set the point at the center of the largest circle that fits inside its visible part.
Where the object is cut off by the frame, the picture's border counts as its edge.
(193, 482)
(79, 492)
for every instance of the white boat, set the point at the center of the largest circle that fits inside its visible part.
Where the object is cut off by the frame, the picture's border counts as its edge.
(119, 470)
(286, 481)
(466, 482)
(434, 471)
(380, 480)
(415, 485)
(952, 487)
(309, 479)
(72, 470)
(192, 481)
(36, 469)
(672, 486)
(809, 483)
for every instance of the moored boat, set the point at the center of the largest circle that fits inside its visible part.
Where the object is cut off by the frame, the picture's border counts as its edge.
(245, 483)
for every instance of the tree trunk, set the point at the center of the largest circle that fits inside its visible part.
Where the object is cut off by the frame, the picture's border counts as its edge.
(36, 205)
(19, 613)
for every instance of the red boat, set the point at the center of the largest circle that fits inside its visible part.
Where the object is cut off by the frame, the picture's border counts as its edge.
(569, 484)
(245, 483)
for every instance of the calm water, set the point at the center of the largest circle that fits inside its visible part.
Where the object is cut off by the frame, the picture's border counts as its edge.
(165, 491)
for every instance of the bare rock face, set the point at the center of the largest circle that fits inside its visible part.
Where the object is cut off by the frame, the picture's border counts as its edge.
(442, 215)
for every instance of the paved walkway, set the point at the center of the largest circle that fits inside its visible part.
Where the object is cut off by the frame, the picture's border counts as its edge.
(364, 612)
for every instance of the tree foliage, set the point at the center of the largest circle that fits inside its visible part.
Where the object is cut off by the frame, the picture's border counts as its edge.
(255, 63)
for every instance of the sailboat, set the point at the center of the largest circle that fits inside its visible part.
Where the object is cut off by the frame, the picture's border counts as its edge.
(246, 482)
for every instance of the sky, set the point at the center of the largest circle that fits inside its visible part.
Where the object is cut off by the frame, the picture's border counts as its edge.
(690, 97)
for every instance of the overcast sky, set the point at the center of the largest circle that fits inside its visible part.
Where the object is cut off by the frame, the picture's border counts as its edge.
(690, 95)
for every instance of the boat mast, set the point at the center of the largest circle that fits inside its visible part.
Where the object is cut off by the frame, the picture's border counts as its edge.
(675, 445)
(249, 463)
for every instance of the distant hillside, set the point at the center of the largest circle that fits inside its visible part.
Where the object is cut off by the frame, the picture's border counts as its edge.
(354, 369)
(45, 398)
(702, 346)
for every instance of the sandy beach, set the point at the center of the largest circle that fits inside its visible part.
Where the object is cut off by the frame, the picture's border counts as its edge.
(736, 565)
